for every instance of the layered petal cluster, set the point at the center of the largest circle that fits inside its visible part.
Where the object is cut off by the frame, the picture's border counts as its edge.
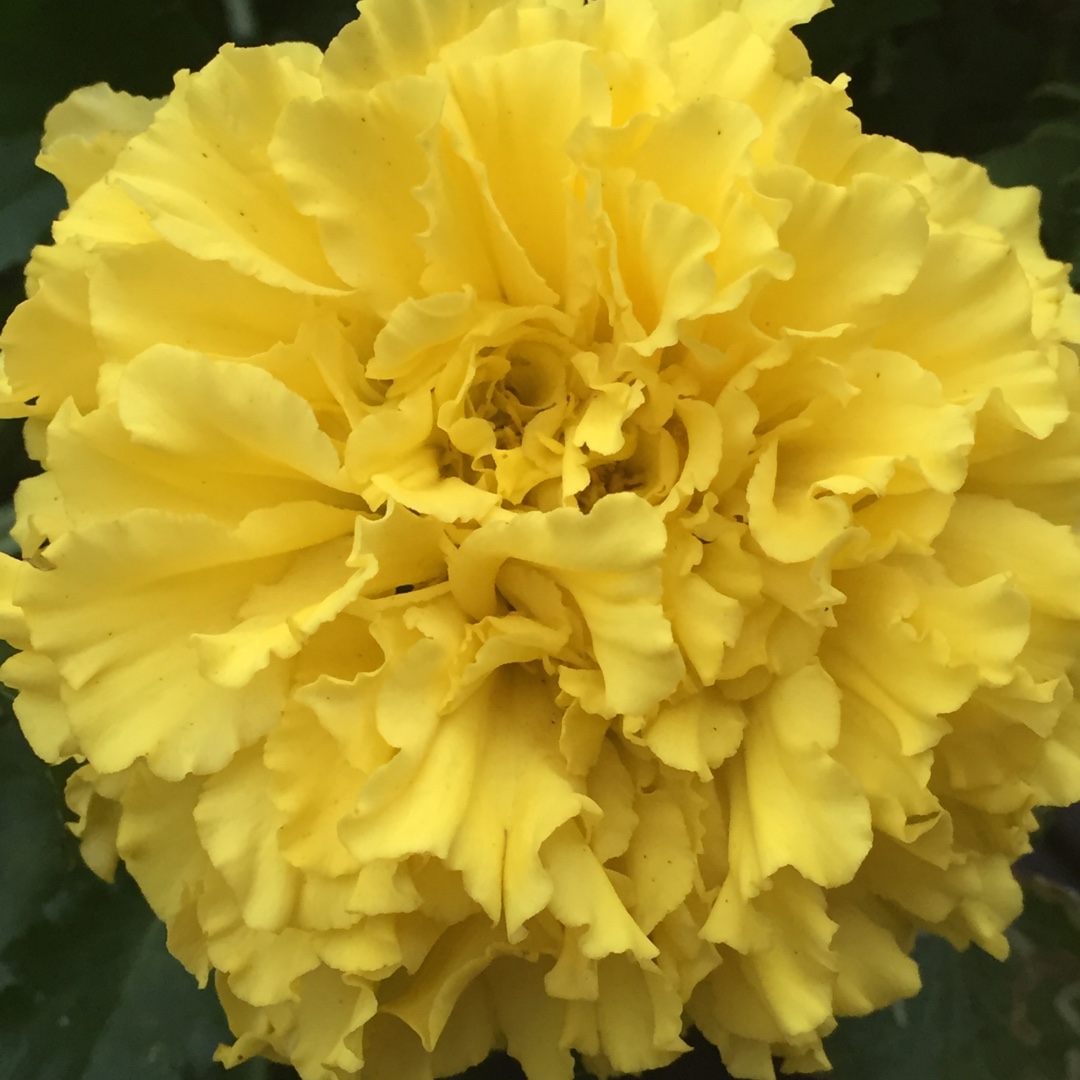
(548, 535)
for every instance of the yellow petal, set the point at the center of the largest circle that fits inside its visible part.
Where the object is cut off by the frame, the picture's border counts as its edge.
(203, 174)
(874, 968)
(395, 40)
(135, 688)
(351, 163)
(967, 318)
(516, 112)
(461, 954)
(507, 797)
(986, 535)
(277, 619)
(238, 826)
(875, 654)
(792, 803)
(638, 1017)
(615, 583)
(659, 262)
(585, 896)
(49, 351)
(854, 248)
(85, 133)
(530, 1018)
(783, 988)
(157, 294)
(698, 733)
(158, 818)
(661, 861)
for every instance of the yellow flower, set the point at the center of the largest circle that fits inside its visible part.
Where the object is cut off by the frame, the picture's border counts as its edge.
(548, 535)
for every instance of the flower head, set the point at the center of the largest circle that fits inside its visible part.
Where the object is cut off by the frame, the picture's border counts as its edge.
(548, 535)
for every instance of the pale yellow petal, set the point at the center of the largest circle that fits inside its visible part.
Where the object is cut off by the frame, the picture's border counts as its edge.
(517, 112)
(351, 164)
(802, 808)
(615, 583)
(133, 687)
(85, 133)
(506, 798)
(49, 351)
(854, 248)
(203, 173)
(157, 294)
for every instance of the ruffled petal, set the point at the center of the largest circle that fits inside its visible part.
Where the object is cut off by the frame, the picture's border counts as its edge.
(632, 638)
(535, 540)
(85, 133)
(205, 178)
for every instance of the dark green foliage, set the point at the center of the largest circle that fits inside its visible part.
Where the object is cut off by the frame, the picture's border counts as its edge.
(977, 1018)
(993, 80)
(87, 989)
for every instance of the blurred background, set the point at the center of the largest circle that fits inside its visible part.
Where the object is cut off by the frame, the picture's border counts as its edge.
(87, 989)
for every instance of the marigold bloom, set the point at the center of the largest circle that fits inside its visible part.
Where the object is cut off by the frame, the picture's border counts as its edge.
(548, 535)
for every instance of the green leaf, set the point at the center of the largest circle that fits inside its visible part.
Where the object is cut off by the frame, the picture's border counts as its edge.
(845, 35)
(29, 199)
(35, 850)
(1060, 91)
(50, 47)
(7, 520)
(87, 988)
(1049, 158)
(977, 1018)
(1046, 157)
(286, 20)
(77, 974)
